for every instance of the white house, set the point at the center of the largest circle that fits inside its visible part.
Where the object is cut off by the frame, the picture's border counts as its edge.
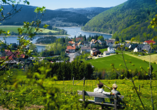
(111, 49)
(106, 53)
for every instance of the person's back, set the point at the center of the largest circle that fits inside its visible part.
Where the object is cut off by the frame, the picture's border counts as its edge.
(100, 90)
(114, 91)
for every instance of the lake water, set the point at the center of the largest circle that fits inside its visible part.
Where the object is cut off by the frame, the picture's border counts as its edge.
(71, 31)
(76, 31)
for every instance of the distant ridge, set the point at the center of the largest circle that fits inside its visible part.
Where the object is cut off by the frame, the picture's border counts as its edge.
(130, 19)
(59, 17)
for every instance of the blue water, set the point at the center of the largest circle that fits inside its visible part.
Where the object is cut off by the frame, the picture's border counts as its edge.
(71, 31)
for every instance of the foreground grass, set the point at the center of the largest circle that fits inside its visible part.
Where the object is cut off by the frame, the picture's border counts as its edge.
(131, 62)
(14, 29)
(124, 87)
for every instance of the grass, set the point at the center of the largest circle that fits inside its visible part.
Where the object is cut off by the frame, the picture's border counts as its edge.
(105, 62)
(102, 50)
(124, 87)
(14, 29)
(146, 57)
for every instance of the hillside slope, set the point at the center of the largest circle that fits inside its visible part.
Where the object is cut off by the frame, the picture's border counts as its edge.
(130, 19)
(52, 17)
(89, 12)
(59, 17)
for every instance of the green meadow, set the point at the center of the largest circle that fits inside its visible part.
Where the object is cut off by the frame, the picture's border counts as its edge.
(124, 87)
(14, 29)
(131, 62)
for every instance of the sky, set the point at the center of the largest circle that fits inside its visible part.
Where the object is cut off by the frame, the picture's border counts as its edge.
(56, 4)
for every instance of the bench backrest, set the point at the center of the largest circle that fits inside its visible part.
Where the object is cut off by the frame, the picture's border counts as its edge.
(100, 95)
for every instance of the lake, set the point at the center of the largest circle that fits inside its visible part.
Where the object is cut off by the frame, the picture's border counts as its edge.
(76, 31)
(71, 31)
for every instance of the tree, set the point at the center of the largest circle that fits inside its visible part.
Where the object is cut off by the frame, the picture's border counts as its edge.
(101, 38)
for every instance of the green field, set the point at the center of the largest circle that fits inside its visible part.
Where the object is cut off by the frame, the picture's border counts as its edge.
(105, 62)
(102, 50)
(124, 87)
(15, 29)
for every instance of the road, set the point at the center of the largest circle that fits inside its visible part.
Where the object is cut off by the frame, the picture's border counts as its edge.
(73, 55)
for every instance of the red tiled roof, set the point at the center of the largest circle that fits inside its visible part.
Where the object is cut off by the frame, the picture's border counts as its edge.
(150, 41)
(71, 42)
(71, 47)
(12, 55)
(79, 39)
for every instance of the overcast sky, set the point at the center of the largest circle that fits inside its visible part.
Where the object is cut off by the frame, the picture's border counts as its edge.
(56, 4)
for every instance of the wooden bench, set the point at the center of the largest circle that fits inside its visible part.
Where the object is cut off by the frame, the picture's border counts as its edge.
(101, 95)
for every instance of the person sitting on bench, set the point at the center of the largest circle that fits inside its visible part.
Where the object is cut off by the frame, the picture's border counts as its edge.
(100, 90)
(114, 91)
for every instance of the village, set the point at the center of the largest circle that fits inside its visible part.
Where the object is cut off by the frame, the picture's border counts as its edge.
(79, 46)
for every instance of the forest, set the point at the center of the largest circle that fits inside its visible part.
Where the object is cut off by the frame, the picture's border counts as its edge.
(130, 19)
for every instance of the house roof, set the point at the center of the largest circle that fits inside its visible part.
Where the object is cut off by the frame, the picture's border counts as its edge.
(79, 39)
(110, 41)
(71, 47)
(150, 41)
(146, 47)
(71, 42)
(85, 48)
(12, 55)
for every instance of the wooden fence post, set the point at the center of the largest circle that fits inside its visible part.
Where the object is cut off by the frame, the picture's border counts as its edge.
(84, 81)
(73, 80)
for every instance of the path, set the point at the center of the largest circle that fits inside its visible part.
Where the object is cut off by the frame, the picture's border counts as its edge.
(73, 55)
(146, 58)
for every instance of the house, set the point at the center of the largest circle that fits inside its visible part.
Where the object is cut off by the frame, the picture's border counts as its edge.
(71, 42)
(106, 53)
(149, 42)
(70, 49)
(131, 46)
(82, 44)
(79, 39)
(110, 42)
(93, 42)
(143, 48)
(12, 55)
(138, 48)
(94, 52)
(85, 49)
(111, 50)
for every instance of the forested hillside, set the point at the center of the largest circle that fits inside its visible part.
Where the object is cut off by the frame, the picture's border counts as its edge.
(130, 19)
(88, 12)
(60, 17)
(51, 17)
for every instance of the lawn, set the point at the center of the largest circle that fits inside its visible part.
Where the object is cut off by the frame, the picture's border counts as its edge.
(102, 50)
(124, 87)
(105, 62)
(14, 29)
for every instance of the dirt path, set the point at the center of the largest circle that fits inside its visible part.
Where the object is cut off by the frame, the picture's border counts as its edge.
(146, 58)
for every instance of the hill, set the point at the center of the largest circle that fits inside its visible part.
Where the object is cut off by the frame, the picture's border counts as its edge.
(130, 19)
(60, 17)
(89, 12)
(51, 17)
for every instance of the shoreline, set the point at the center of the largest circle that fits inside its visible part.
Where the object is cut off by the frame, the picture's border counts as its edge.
(39, 35)
(86, 31)
(41, 45)
(97, 32)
